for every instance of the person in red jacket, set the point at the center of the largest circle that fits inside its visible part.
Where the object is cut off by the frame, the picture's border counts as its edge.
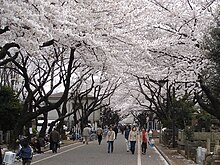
(144, 140)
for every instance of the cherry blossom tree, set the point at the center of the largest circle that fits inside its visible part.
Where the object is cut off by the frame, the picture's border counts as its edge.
(151, 33)
(176, 35)
(157, 38)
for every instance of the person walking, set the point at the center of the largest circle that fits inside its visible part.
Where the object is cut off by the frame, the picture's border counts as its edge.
(122, 129)
(150, 134)
(99, 133)
(133, 138)
(86, 134)
(110, 139)
(144, 141)
(105, 131)
(54, 140)
(115, 129)
(126, 135)
(25, 153)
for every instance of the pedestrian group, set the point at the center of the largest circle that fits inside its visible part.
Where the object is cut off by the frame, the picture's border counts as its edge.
(130, 135)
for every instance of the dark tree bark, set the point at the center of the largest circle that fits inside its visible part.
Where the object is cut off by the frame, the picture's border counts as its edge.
(42, 132)
(6, 28)
(213, 104)
(30, 99)
(4, 50)
(159, 103)
(160, 98)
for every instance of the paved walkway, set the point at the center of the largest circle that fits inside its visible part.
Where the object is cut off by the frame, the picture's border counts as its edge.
(81, 154)
(170, 155)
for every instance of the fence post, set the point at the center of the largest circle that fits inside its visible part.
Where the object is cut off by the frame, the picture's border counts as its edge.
(187, 149)
(208, 145)
(1, 159)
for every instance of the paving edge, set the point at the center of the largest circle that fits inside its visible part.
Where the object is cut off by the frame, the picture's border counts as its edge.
(164, 155)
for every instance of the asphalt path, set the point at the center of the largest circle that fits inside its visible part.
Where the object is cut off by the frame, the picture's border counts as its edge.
(94, 154)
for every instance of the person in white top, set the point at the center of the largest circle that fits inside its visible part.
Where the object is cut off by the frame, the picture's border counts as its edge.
(110, 139)
(86, 134)
(133, 138)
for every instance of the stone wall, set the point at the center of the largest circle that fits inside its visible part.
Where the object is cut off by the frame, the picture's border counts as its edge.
(200, 136)
(205, 135)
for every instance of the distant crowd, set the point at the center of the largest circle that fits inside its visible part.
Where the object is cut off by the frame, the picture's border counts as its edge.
(130, 134)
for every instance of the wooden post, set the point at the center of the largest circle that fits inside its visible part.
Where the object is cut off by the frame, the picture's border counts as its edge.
(208, 145)
(1, 159)
(187, 149)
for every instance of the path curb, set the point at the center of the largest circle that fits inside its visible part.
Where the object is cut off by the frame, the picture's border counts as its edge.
(164, 155)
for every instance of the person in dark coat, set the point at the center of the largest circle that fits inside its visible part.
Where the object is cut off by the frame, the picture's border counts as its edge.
(126, 135)
(115, 129)
(35, 143)
(54, 140)
(99, 133)
(25, 153)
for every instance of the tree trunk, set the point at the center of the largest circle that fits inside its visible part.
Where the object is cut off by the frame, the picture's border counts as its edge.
(43, 130)
(18, 130)
(213, 107)
(29, 115)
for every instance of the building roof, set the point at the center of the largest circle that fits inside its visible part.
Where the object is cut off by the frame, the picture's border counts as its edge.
(58, 95)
